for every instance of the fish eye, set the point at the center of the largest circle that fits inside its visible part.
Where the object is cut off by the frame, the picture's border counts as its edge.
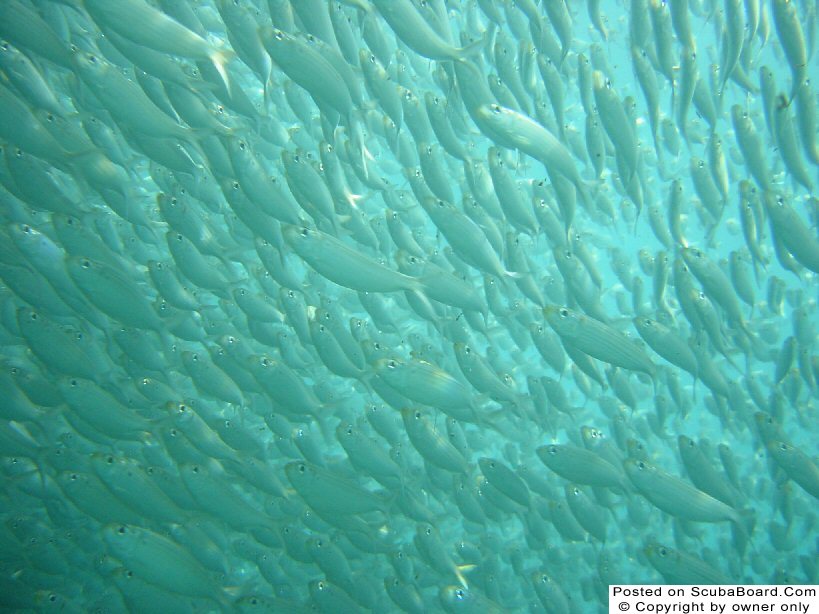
(495, 109)
(235, 185)
(320, 585)
(662, 552)
(86, 264)
(391, 364)
(552, 450)
(92, 59)
(564, 313)
(110, 460)
(418, 415)
(279, 35)
(73, 383)
(784, 447)
(121, 530)
(302, 468)
(641, 465)
(27, 229)
(305, 232)
(460, 595)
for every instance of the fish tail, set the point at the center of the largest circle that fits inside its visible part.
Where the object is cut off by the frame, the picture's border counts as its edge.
(585, 188)
(459, 573)
(742, 527)
(361, 146)
(513, 274)
(474, 48)
(220, 59)
(352, 199)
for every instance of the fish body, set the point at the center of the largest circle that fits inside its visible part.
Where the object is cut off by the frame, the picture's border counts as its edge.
(517, 131)
(679, 567)
(792, 231)
(582, 466)
(146, 25)
(159, 560)
(797, 465)
(676, 497)
(426, 383)
(598, 340)
(411, 27)
(345, 266)
(789, 29)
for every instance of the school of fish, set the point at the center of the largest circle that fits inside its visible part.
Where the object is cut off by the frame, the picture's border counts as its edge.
(405, 305)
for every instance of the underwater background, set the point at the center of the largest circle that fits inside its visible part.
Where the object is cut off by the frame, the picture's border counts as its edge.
(405, 305)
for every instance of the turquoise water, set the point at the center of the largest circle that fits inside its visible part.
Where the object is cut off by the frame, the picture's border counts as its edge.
(404, 306)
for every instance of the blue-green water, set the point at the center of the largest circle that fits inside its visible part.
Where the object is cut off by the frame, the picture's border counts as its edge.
(405, 306)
